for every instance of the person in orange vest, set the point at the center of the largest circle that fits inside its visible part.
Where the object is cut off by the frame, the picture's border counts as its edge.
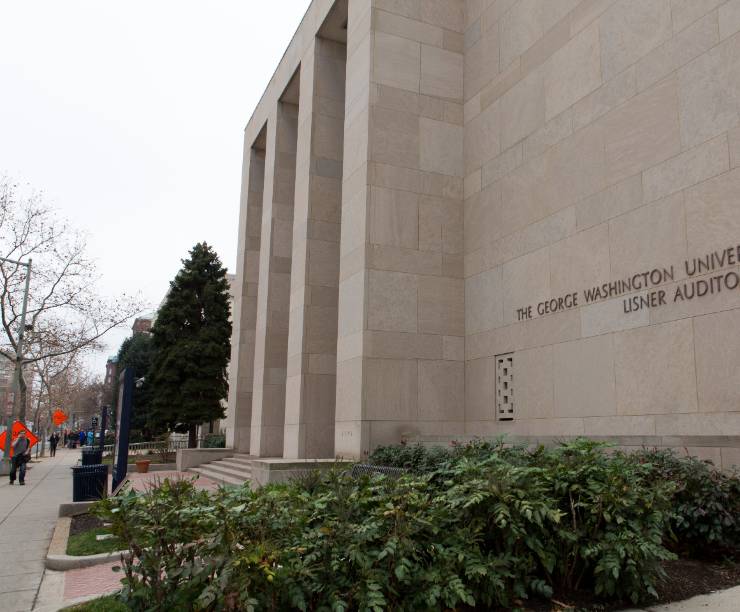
(21, 456)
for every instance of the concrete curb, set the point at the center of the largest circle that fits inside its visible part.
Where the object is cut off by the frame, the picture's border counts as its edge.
(72, 508)
(62, 563)
(58, 560)
(58, 544)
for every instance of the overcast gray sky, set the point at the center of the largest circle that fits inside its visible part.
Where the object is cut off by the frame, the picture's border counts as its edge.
(129, 117)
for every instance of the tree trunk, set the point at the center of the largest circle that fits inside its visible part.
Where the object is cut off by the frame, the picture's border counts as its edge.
(38, 430)
(23, 400)
(23, 395)
(193, 436)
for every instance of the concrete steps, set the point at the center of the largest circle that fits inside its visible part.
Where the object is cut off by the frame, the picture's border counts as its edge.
(234, 470)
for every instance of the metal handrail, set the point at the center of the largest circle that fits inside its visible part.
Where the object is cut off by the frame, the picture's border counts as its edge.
(137, 447)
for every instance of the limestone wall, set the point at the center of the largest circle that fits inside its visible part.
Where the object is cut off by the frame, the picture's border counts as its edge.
(600, 144)
(475, 217)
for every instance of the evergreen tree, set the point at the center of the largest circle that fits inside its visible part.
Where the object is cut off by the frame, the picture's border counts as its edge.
(191, 338)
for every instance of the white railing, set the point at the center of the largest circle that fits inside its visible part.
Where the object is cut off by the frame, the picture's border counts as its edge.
(138, 448)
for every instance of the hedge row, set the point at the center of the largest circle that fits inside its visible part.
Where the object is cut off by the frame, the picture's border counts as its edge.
(477, 526)
(704, 520)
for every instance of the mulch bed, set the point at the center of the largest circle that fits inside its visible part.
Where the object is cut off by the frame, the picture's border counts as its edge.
(686, 578)
(84, 522)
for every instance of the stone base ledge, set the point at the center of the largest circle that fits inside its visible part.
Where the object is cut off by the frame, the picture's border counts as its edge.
(620, 440)
(193, 457)
(267, 470)
(723, 451)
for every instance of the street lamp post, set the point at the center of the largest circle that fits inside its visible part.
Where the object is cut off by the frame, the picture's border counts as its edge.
(18, 359)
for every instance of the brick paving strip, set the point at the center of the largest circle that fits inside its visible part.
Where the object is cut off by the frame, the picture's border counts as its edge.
(87, 581)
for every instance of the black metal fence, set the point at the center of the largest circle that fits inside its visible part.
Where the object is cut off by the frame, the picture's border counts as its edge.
(363, 469)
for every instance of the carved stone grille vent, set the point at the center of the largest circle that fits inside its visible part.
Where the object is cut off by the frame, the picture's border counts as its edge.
(505, 387)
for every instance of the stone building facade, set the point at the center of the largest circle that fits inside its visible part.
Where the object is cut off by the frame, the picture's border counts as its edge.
(481, 217)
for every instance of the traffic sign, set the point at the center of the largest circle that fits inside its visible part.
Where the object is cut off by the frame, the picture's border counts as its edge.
(17, 427)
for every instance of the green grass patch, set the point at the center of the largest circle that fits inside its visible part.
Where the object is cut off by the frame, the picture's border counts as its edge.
(84, 544)
(103, 604)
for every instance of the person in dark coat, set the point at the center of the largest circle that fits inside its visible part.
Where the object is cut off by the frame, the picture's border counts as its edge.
(21, 456)
(53, 441)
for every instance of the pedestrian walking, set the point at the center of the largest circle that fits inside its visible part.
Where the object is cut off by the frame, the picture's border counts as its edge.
(21, 456)
(53, 441)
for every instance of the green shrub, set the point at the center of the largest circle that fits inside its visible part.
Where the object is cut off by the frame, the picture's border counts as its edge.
(488, 526)
(705, 518)
(214, 441)
(615, 514)
(415, 458)
(367, 544)
(420, 459)
(153, 527)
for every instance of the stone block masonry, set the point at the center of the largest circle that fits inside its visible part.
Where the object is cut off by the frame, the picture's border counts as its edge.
(481, 217)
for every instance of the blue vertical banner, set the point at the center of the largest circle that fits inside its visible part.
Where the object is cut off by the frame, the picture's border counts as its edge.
(103, 426)
(123, 425)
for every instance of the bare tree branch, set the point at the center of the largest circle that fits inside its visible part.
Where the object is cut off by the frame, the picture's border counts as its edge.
(65, 315)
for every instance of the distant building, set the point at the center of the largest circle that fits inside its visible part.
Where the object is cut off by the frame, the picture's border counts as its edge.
(6, 386)
(111, 369)
(143, 325)
(111, 376)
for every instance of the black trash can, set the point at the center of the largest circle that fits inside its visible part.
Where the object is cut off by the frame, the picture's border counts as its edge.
(89, 482)
(92, 456)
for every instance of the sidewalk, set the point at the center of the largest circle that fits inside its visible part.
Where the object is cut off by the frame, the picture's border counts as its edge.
(719, 601)
(27, 518)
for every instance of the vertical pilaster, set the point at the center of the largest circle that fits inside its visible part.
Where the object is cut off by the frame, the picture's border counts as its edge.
(401, 301)
(352, 431)
(244, 315)
(273, 298)
(312, 342)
